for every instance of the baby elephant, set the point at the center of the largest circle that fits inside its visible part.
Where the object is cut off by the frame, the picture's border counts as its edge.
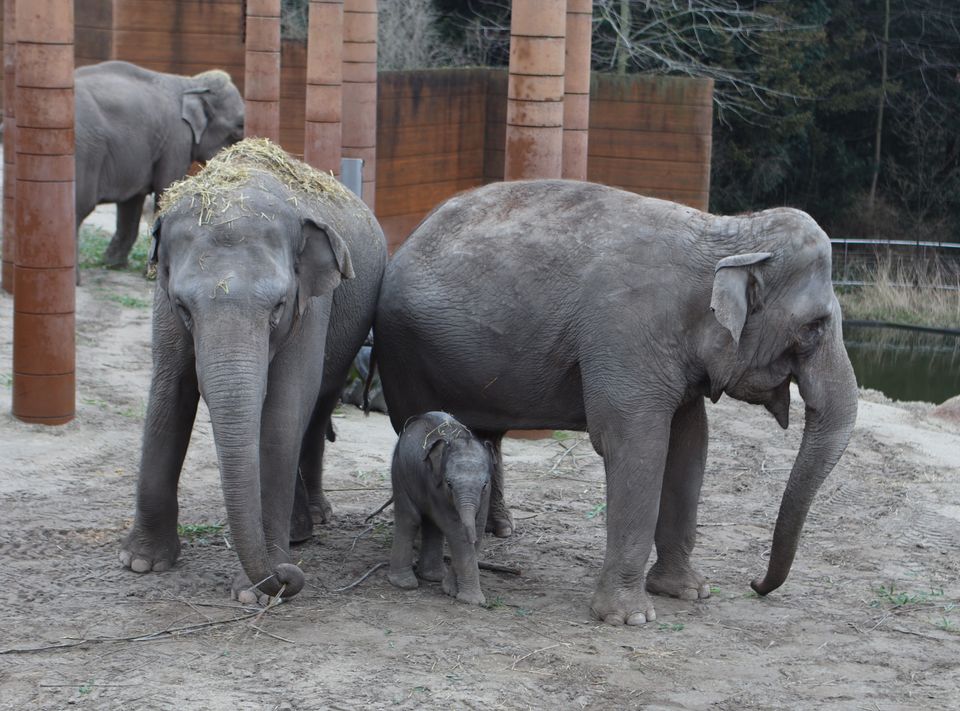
(441, 477)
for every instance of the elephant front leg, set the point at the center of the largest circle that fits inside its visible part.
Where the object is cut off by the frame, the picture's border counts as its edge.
(311, 462)
(634, 459)
(676, 534)
(406, 521)
(153, 543)
(430, 566)
(128, 228)
(462, 580)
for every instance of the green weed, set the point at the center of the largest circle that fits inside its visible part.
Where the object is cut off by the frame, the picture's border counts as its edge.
(94, 241)
(562, 435)
(6, 379)
(671, 627)
(199, 533)
(888, 596)
(597, 510)
(131, 302)
(495, 604)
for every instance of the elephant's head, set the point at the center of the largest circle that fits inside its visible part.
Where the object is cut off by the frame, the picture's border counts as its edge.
(775, 319)
(462, 468)
(213, 108)
(238, 277)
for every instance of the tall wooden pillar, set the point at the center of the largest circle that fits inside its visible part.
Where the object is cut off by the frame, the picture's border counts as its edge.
(262, 77)
(322, 133)
(535, 90)
(576, 94)
(9, 139)
(360, 89)
(44, 294)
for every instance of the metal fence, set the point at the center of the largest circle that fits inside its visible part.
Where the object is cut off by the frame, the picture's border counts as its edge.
(932, 265)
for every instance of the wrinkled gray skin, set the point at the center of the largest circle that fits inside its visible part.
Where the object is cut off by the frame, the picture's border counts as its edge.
(138, 131)
(251, 314)
(441, 475)
(566, 305)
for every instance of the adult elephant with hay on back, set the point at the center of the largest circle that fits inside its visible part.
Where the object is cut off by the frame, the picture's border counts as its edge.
(267, 278)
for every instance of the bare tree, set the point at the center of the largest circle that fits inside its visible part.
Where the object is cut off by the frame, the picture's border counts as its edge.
(700, 38)
(408, 38)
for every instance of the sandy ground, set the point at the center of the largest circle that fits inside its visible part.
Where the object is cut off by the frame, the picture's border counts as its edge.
(869, 618)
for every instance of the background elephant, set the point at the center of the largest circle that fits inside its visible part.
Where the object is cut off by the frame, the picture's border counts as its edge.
(250, 313)
(441, 477)
(138, 131)
(566, 305)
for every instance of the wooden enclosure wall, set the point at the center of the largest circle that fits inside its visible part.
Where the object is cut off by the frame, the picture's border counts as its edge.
(443, 131)
(439, 131)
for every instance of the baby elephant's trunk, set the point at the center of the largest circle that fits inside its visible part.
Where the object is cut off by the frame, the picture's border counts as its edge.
(468, 515)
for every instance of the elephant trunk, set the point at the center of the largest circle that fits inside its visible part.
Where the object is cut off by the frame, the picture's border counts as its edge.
(468, 517)
(829, 390)
(234, 387)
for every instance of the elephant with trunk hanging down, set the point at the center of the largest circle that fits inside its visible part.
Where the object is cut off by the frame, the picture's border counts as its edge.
(568, 305)
(267, 279)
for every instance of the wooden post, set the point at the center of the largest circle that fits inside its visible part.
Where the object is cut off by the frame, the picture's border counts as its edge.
(576, 92)
(44, 363)
(322, 133)
(360, 89)
(9, 139)
(262, 78)
(535, 90)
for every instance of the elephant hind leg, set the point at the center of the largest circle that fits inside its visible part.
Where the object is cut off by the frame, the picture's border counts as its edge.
(311, 461)
(499, 519)
(673, 574)
(128, 228)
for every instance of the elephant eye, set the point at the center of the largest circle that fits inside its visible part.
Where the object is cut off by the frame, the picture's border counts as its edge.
(277, 313)
(184, 314)
(809, 335)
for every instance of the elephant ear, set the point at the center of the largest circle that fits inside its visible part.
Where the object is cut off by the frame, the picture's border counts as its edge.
(737, 290)
(153, 258)
(433, 449)
(194, 111)
(323, 261)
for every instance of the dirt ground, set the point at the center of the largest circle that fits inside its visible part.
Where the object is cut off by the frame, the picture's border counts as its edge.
(869, 618)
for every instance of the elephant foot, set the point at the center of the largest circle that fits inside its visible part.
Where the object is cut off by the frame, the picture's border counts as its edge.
(449, 583)
(680, 581)
(243, 591)
(618, 606)
(320, 508)
(404, 579)
(114, 262)
(500, 523)
(471, 598)
(142, 552)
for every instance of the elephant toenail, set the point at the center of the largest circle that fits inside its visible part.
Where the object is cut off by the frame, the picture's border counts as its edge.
(138, 565)
(637, 618)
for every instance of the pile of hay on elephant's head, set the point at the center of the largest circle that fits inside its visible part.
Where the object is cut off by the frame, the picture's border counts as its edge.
(217, 188)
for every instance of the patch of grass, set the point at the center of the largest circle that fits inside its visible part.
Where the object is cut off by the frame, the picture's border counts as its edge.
(85, 688)
(94, 241)
(495, 604)
(597, 510)
(199, 533)
(714, 590)
(909, 292)
(887, 596)
(6, 379)
(562, 435)
(670, 627)
(130, 302)
(946, 624)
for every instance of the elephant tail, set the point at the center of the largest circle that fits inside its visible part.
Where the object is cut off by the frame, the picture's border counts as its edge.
(369, 382)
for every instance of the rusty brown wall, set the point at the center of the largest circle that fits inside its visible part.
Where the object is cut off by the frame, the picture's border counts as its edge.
(443, 131)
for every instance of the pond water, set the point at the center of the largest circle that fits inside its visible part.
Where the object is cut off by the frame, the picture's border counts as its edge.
(905, 365)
